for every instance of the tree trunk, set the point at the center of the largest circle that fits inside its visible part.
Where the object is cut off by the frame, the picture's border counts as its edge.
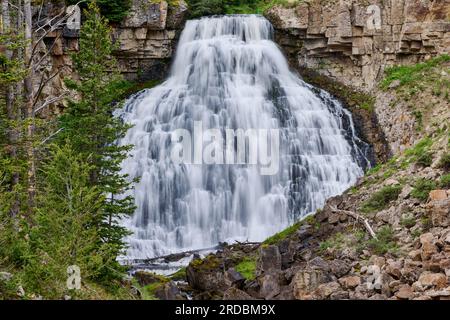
(29, 105)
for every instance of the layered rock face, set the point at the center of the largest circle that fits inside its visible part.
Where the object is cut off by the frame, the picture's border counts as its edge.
(353, 41)
(147, 38)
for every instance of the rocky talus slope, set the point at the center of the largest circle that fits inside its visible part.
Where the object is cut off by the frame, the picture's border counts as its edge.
(388, 237)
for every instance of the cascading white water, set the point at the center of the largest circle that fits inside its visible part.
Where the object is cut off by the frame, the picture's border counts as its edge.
(228, 73)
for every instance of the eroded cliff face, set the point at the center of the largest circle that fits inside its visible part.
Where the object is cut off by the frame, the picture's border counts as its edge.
(349, 44)
(148, 37)
(146, 40)
(353, 41)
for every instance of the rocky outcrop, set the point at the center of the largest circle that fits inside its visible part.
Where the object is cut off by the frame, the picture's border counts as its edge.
(348, 44)
(353, 41)
(147, 38)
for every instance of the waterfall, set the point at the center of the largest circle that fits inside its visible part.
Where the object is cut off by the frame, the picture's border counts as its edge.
(228, 73)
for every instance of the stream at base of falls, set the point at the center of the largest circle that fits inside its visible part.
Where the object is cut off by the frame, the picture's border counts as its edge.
(228, 74)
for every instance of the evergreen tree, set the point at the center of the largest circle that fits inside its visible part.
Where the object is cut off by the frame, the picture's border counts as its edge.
(92, 129)
(65, 231)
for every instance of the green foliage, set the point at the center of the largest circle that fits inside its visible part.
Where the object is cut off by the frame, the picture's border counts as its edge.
(385, 241)
(64, 231)
(113, 10)
(444, 181)
(380, 199)
(444, 162)
(337, 241)
(179, 275)
(422, 189)
(410, 74)
(92, 130)
(247, 268)
(425, 159)
(408, 221)
(276, 238)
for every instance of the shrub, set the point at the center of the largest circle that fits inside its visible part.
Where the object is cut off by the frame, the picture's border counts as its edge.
(385, 241)
(422, 188)
(425, 159)
(382, 198)
(444, 182)
(408, 221)
(444, 162)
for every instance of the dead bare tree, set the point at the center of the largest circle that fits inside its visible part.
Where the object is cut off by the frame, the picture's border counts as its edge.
(358, 218)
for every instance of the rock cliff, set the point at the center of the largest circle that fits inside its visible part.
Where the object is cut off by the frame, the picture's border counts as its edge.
(353, 41)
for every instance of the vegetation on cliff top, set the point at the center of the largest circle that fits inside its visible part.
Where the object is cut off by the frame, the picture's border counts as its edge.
(410, 74)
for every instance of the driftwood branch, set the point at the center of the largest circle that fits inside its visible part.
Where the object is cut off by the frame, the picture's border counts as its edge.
(358, 218)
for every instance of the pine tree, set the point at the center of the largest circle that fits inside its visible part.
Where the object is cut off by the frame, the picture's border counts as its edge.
(92, 129)
(65, 231)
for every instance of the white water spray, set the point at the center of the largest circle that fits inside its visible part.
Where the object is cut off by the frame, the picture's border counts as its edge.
(229, 74)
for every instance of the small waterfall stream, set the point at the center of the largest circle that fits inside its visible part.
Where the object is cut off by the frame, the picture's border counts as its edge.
(229, 74)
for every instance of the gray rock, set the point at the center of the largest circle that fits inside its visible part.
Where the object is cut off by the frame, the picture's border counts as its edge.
(269, 259)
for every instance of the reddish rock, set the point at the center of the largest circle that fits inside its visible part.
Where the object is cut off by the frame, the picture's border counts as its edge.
(350, 282)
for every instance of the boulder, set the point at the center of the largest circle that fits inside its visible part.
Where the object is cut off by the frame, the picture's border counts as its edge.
(405, 292)
(432, 280)
(438, 208)
(269, 259)
(305, 282)
(270, 286)
(169, 291)
(350, 282)
(339, 268)
(429, 247)
(236, 294)
(325, 290)
(234, 278)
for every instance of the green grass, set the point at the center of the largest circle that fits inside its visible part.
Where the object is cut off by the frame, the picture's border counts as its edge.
(413, 73)
(422, 189)
(179, 275)
(256, 6)
(444, 162)
(444, 181)
(276, 238)
(408, 221)
(247, 268)
(381, 198)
